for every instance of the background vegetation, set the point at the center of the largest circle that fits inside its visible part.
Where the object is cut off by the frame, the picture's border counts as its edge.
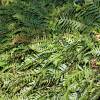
(49, 49)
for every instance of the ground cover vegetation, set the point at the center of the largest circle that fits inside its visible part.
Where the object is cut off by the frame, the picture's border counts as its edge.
(49, 49)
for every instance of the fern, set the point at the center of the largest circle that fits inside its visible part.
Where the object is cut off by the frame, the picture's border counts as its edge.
(84, 20)
(43, 53)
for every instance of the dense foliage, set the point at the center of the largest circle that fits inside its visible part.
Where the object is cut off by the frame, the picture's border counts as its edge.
(49, 49)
